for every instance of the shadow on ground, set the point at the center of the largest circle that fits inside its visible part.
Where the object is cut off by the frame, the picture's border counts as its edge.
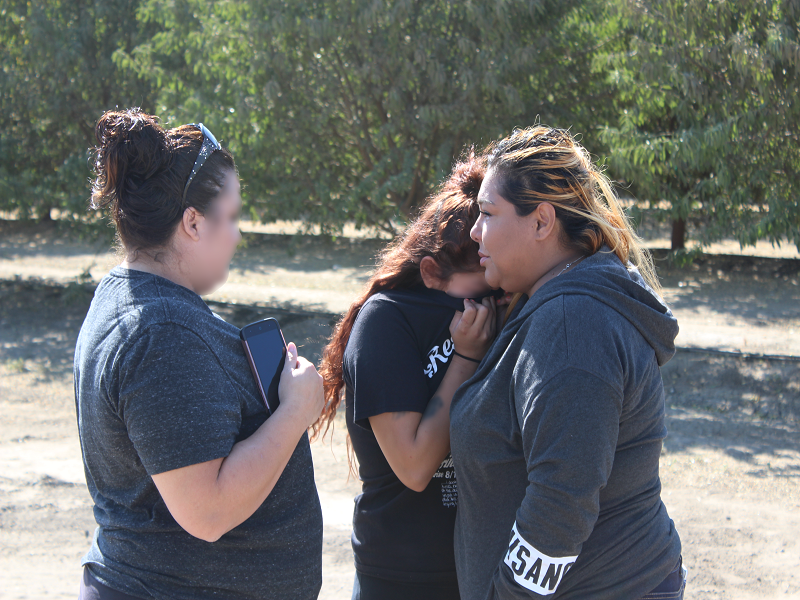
(742, 439)
(40, 321)
(761, 290)
(760, 389)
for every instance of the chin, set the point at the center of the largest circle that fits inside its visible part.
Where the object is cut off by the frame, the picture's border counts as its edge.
(212, 285)
(493, 281)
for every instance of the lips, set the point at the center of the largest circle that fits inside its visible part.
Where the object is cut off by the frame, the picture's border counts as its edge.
(483, 257)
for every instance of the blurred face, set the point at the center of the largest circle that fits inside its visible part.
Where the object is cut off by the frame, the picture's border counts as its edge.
(219, 235)
(467, 285)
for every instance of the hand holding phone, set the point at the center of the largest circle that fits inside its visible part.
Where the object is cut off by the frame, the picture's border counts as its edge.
(265, 349)
(301, 388)
(281, 375)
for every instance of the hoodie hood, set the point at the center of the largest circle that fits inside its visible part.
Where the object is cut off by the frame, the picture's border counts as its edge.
(604, 278)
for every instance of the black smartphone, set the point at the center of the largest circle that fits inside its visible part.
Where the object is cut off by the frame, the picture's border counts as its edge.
(266, 351)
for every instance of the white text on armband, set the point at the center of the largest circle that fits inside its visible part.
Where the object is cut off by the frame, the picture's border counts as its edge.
(533, 570)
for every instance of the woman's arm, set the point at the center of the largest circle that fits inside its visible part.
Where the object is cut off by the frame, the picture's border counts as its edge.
(209, 499)
(569, 430)
(415, 444)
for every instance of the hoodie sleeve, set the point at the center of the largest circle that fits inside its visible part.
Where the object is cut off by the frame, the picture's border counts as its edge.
(569, 427)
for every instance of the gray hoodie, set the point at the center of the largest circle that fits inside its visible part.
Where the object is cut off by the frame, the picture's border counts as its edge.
(556, 441)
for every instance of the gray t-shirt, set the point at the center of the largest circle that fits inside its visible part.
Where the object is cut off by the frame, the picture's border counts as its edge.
(161, 382)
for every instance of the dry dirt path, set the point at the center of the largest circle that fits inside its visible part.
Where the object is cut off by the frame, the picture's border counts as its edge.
(745, 303)
(730, 468)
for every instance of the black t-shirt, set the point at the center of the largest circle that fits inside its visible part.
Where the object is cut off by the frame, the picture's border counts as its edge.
(396, 357)
(161, 382)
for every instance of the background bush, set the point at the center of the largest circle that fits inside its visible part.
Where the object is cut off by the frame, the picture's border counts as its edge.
(352, 111)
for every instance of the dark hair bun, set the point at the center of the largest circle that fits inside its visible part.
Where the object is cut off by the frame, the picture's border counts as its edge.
(141, 171)
(132, 147)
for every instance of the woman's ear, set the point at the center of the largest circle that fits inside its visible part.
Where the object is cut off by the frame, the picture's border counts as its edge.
(190, 223)
(430, 273)
(545, 221)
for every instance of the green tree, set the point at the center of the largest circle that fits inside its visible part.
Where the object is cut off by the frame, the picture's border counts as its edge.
(352, 110)
(708, 128)
(57, 76)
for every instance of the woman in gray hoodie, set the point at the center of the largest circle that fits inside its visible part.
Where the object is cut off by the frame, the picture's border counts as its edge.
(556, 438)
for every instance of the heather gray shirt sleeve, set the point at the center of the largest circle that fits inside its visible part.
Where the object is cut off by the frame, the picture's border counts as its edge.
(176, 417)
(569, 428)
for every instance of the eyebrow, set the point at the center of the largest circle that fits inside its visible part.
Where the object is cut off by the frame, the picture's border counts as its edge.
(484, 201)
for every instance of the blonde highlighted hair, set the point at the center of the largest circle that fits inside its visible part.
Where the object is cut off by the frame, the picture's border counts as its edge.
(543, 164)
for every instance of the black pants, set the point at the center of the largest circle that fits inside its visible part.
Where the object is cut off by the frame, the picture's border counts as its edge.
(91, 589)
(374, 588)
(671, 588)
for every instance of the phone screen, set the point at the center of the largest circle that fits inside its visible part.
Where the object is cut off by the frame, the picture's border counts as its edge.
(266, 350)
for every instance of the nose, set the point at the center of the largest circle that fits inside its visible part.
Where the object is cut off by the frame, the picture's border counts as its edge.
(475, 232)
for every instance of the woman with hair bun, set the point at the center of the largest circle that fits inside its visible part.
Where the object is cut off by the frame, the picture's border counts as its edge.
(197, 493)
(556, 438)
(398, 355)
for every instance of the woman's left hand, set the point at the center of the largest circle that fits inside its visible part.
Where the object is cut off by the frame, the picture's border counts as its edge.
(474, 329)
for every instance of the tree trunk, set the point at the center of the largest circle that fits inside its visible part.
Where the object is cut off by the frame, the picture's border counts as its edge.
(43, 213)
(678, 234)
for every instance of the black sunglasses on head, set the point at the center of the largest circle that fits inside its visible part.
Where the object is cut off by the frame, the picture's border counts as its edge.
(210, 144)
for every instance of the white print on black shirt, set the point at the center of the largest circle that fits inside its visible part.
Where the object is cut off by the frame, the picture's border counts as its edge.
(446, 473)
(533, 570)
(434, 355)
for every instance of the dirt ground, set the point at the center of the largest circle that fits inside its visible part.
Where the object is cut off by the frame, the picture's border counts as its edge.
(728, 302)
(730, 466)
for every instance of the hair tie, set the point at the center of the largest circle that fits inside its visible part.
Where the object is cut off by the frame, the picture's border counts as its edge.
(475, 360)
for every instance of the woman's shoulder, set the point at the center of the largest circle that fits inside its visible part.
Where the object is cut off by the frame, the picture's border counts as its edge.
(563, 329)
(399, 319)
(405, 305)
(379, 306)
(380, 318)
(141, 305)
(400, 297)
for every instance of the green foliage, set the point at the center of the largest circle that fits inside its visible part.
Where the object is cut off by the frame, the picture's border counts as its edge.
(16, 365)
(708, 125)
(57, 77)
(353, 110)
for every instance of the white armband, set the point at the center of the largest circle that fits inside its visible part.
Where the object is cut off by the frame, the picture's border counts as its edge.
(533, 570)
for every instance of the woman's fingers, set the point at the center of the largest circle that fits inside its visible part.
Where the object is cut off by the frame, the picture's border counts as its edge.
(291, 357)
(483, 312)
(505, 299)
(455, 322)
(470, 312)
(475, 316)
(300, 388)
(473, 330)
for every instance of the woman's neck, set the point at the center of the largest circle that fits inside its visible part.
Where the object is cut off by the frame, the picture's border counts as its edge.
(168, 270)
(562, 264)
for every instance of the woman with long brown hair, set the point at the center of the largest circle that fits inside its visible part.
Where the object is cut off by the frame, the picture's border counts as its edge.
(400, 353)
(557, 437)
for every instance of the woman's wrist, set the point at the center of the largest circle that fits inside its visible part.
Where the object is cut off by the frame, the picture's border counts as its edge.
(463, 366)
(465, 357)
(294, 416)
